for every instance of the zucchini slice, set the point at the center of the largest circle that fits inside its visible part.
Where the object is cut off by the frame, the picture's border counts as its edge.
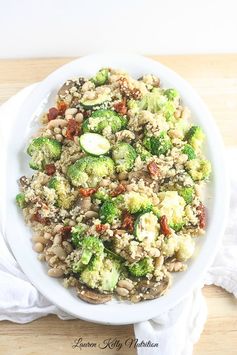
(94, 144)
(88, 104)
(146, 227)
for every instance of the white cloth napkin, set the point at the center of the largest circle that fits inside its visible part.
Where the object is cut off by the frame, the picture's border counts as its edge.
(176, 330)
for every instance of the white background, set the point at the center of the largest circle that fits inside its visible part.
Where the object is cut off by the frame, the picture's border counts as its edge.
(39, 28)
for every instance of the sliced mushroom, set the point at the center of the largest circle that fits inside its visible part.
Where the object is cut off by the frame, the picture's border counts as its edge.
(64, 90)
(68, 85)
(149, 290)
(91, 296)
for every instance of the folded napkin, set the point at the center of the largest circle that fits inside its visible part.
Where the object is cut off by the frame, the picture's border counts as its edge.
(176, 330)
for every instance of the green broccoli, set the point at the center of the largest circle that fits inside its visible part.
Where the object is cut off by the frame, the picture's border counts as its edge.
(109, 211)
(89, 246)
(142, 152)
(189, 151)
(137, 202)
(153, 101)
(88, 171)
(101, 77)
(124, 156)
(172, 206)
(157, 102)
(171, 94)
(199, 169)
(141, 268)
(101, 273)
(101, 119)
(187, 193)
(101, 195)
(43, 151)
(21, 200)
(133, 105)
(158, 145)
(177, 226)
(77, 234)
(63, 191)
(195, 137)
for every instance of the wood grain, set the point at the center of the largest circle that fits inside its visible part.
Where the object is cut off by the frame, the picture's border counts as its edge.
(215, 78)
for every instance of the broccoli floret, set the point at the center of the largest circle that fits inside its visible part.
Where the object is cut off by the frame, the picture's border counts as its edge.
(177, 227)
(109, 211)
(142, 152)
(63, 191)
(171, 94)
(153, 101)
(172, 206)
(101, 119)
(189, 151)
(136, 202)
(141, 268)
(88, 171)
(199, 169)
(43, 151)
(158, 145)
(157, 102)
(89, 246)
(195, 137)
(187, 193)
(124, 156)
(77, 234)
(101, 77)
(21, 200)
(186, 246)
(133, 105)
(101, 273)
(101, 195)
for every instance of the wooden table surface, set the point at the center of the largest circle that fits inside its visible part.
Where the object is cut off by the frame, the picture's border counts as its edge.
(215, 78)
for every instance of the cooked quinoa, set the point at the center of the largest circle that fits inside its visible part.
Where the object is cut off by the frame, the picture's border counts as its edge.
(115, 199)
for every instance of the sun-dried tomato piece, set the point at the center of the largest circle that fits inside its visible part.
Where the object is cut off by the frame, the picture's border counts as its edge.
(121, 107)
(50, 169)
(202, 215)
(73, 129)
(101, 228)
(87, 192)
(128, 222)
(66, 232)
(127, 91)
(153, 169)
(38, 218)
(53, 113)
(120, 189)
(62, 106)
(165, 229)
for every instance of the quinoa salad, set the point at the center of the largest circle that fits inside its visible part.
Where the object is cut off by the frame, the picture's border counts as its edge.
(115, 201)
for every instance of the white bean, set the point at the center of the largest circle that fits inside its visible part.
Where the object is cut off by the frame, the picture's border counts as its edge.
(79, 117)
(59, 251)
(47, 235)
(39, 239)
(71, 111)
(54, 272)
(57, 239)
(58, 122)
(122, 291)
(126, 284)
(38, 247)
(91, 214)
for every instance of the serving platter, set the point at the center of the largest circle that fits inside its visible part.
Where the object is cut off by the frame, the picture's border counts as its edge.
(19, 236)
